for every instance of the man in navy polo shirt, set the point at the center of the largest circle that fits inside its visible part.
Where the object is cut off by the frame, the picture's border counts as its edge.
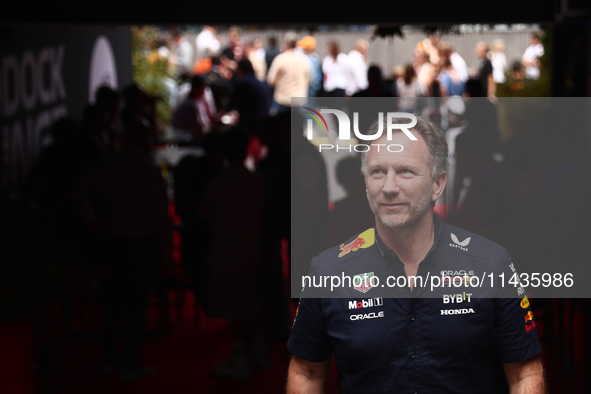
(452, 328)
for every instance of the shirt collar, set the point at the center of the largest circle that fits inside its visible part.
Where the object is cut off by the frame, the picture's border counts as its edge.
(389, 255)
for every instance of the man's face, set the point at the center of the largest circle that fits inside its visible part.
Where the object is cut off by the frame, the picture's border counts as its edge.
(420, 57)
(399, 186)
(480, 51)
(233, 38)
(363, 49)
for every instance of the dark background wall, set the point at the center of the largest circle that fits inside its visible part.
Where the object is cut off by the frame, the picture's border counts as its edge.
(45, 74)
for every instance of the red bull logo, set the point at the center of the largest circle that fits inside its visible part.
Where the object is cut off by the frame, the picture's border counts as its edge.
(530, 327)
(524, 302)
(529, 316)
(364, 240)
(352, 246)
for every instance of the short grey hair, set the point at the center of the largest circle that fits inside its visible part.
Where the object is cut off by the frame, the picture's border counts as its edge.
(433, 137)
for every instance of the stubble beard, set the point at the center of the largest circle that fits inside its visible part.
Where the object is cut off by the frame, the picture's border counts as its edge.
(406, 219)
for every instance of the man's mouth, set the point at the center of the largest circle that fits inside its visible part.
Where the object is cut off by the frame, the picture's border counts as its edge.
(391, 205)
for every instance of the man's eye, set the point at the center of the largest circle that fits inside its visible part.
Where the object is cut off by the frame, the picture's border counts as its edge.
(376, 171)
(406, 171)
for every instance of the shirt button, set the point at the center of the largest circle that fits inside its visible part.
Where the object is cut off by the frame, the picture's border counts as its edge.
(414, 391)
(412, 355)
(412, 318)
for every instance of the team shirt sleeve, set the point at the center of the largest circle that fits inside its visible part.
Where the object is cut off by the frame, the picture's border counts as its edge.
(515, 327)
(309, 339)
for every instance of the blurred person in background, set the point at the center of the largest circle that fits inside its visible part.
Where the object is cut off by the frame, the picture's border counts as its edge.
(352, 214)
(308, 45)
(480, 121)
(202, 66)
(258, 63)
(139, 107)
(192, 176)
(249, 97)
(450, 83)
(375, 87)
(258, 48)
(71, 155)
(485, 69)
(499, 61)
(517, 70)
(218, 83)
(206, 107)
(207, 42)
(290, 75)
(309, 200)
(184, 88)
(531, 56)
(290, 35)
(397, 72)
(481, 203)
(446, 50)
(271, 52)
(186, 115)
(235, 257)
(275, 133)
(135, 231)
(459, 64)
(103, 119)
(357, 67)
(174, 55)
(334, 67)
(407, 86)
(481, 118)
(431, 46)
(235, 49)
(183, 53)
(517, 76)
(425, 71)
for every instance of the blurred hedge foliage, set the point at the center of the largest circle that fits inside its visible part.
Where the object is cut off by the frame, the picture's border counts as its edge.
(151, 70)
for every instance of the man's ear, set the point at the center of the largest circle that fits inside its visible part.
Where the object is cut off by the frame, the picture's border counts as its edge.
(439, 186)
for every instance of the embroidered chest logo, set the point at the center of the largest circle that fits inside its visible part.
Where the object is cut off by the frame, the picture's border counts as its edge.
(460, 245)
(364, 240)
(363, 282)
(529, 316)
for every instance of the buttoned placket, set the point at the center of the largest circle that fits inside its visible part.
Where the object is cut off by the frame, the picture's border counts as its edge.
(413, 339)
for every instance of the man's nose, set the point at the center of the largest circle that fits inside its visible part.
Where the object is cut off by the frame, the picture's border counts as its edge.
(391, 185)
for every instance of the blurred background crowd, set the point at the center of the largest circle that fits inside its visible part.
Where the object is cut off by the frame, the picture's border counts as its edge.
(338, 64)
